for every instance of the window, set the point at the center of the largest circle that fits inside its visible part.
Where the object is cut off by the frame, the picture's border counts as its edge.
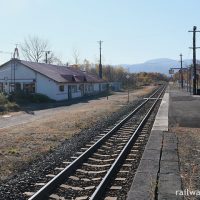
(61, 88)
(17, 87)
(29, 87)
(74, 88)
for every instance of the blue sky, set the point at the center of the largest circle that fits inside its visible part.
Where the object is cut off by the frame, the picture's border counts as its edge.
(133, 31)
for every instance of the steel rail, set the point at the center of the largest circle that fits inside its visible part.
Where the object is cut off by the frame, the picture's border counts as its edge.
(47, 189)
(97, 194)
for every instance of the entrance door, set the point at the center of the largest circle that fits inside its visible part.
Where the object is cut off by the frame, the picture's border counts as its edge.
(69, 92)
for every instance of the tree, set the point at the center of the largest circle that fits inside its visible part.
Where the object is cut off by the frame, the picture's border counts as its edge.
(86, 64)
(34, 48)
(76, 56)
(52, 59)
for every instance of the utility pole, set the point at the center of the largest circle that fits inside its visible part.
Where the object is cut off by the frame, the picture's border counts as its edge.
(127, 77)
(187, 79)
(194, 60)
(181, 71)
(15, 56)
(46, 55)
(190, 78)
(100, 65)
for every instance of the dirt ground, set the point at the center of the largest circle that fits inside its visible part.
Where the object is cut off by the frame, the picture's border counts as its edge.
(23, 137)
(189, 156)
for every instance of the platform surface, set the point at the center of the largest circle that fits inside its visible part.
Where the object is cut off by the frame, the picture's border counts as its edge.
(184, 109)
(158, 175)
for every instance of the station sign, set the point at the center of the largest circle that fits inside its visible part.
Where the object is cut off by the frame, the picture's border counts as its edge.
(171, 71)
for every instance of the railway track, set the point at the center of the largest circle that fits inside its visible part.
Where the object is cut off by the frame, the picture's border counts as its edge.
(102, 168)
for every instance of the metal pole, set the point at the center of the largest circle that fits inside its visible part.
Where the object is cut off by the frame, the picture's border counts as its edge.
(128, 89)
(100, 65)
(14, 75)
(194, 60)
(181, 71)
(187, 78)
(127, 77)
(46, 56)
(107, 90)
(190, 75)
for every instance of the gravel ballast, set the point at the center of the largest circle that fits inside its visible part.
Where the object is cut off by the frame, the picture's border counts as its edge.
(29, 174)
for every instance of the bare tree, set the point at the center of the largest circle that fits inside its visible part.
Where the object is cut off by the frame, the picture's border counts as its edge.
(76, 56)
(33, 48)
(53, 59)
(86, 64)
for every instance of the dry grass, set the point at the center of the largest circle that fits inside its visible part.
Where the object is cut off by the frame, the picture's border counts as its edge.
(189, 154)
(6, 106)
(21, 143)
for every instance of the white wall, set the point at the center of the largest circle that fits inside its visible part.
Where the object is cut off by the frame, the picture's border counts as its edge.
(50, 88)
(22, 75)
(96, 87)
(103, 87)
(76, 94)
(43, 84)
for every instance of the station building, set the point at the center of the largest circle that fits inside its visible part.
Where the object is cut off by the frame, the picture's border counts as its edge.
(56, 82)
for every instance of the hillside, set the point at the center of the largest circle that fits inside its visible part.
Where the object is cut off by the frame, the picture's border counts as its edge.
(161, 65)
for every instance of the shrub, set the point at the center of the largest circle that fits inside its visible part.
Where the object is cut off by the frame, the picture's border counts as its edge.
(3, 99)
(6, 105)
(39, 98)
(11, 106)
(22, 97)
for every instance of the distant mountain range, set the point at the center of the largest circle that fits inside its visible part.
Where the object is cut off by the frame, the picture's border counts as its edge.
(160, 65)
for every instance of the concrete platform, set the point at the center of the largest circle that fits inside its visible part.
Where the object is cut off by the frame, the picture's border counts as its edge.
(184, 109)
(158, 175)
(161, 121)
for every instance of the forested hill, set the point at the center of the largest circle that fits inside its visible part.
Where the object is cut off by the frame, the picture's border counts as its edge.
(161, 65)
